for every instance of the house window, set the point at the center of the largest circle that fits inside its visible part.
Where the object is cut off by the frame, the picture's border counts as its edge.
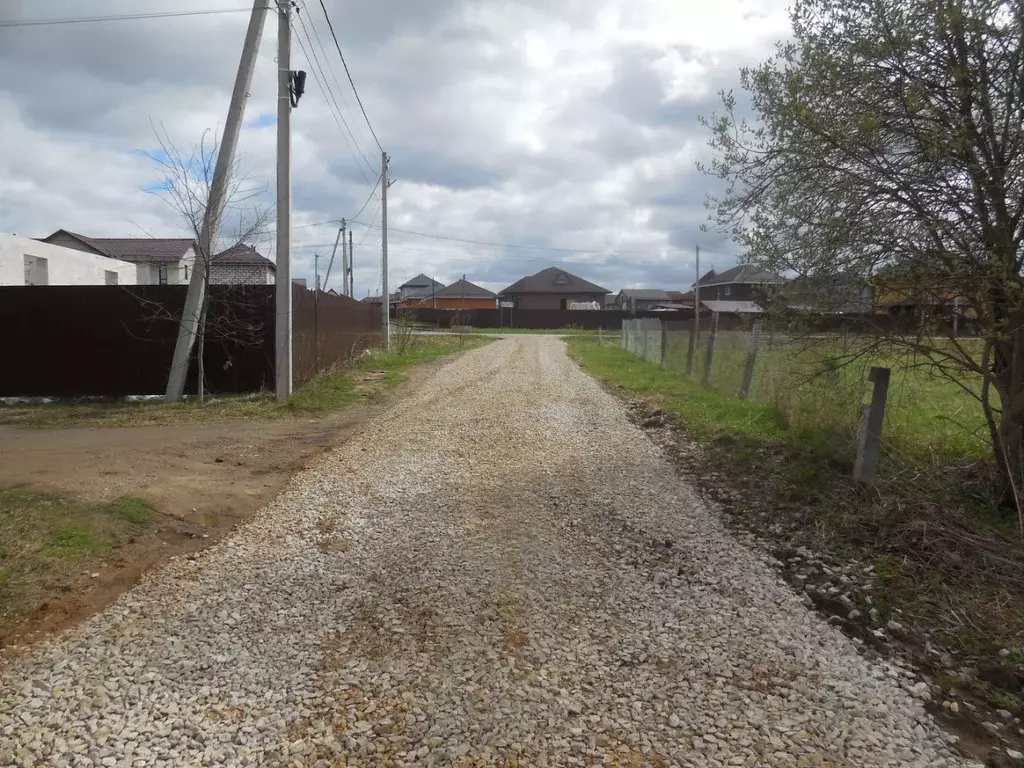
(162, 274)
(37, 271)
(186, 273)
(726, 290)
(109, 277)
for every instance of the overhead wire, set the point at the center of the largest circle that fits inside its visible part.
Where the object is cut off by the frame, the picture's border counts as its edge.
(332, 103)
(315, 27)
(118, 17)
(349, 74)
(367, 202)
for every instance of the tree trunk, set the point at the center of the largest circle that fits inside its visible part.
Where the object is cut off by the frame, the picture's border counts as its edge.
(200, 349)
(1008, 435)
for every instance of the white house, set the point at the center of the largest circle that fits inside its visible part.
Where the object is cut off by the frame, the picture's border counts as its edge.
(24, 261)
(161, 260)
(170, 260)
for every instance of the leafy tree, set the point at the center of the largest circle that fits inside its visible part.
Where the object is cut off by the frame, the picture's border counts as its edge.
(888, 140)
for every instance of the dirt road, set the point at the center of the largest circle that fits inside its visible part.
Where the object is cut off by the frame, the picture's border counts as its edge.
(500, 570)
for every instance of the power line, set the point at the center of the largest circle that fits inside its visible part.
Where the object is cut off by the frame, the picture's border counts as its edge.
(118, 17)
(326, 82)
(328, 94)
(368, 198)
(521, 246)
(341, 90)
(351, 82)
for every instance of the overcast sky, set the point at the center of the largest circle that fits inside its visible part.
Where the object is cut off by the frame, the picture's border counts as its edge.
(566, 124)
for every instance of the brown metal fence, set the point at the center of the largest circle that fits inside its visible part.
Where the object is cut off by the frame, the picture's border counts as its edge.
(535, 319)
(327, 330)
(111, 341)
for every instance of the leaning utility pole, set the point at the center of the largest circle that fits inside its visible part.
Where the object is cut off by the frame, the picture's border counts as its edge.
(283, 281)
(214, 207)
(386, 298)
(351, 284)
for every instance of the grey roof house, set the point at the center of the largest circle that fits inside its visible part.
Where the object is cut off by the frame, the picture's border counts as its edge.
(739, 289)
(641, 299)
(418, 287)
(552, 288)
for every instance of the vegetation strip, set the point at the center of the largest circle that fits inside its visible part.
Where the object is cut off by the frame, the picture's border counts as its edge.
(943, 570)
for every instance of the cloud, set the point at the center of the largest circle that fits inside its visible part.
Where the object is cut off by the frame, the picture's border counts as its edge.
(558, 123)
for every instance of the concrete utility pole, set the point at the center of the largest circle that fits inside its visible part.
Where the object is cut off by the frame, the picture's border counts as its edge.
(334, 251)
(386, 298)
(696, 300)
(283, 292)
(344, 260)
(348, 277)
(215, 206)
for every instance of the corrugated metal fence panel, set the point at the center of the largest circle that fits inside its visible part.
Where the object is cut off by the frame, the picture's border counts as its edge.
(327, 330)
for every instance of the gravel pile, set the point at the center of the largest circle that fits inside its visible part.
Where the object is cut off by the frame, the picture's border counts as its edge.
(500, 571)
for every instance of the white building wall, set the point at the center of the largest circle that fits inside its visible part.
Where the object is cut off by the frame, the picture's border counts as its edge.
(240, 274)
(64, 266)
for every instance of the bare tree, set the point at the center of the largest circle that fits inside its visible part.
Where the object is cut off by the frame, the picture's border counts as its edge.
(186, 187)
(887, 154)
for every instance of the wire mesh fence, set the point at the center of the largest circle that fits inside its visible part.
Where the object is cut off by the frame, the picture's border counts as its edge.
(749, 359)
(816, 383)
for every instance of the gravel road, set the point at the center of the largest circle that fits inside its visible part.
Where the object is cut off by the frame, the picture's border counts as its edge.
(501, 570)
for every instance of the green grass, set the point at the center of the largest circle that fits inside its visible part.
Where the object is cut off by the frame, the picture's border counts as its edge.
(48, 541)
(364, 378)
(928, 416)
(706, 411)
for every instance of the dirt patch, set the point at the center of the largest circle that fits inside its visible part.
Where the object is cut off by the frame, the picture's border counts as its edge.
(202, 480)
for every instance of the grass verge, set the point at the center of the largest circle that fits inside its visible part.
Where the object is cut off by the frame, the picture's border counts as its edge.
(362, 379)
(49, 542)
(946, 563)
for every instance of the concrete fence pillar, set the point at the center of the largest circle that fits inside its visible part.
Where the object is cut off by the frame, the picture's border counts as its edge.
(711, 349)
(866, 466)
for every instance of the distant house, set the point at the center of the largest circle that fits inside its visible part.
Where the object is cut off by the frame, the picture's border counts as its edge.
(418, 287)
(743, 283)
(461, 294)
(640, 299)
(241, 265)
(552, 288)
(24, 261)
(160, 260)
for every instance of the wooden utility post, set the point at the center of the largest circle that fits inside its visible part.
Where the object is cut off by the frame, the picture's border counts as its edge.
(871, 430)
(711, 350)
(748, 371)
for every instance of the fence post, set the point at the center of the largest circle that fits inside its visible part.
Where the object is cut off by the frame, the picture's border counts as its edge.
(624, 341)
(748, 371)
(871, 430)
(643, 330)
(693, 344)
(711, 349)
(664, 341)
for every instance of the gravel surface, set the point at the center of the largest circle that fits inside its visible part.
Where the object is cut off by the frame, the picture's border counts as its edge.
(501, 570)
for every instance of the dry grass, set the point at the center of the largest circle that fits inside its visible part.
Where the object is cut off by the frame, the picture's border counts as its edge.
(365, 377)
